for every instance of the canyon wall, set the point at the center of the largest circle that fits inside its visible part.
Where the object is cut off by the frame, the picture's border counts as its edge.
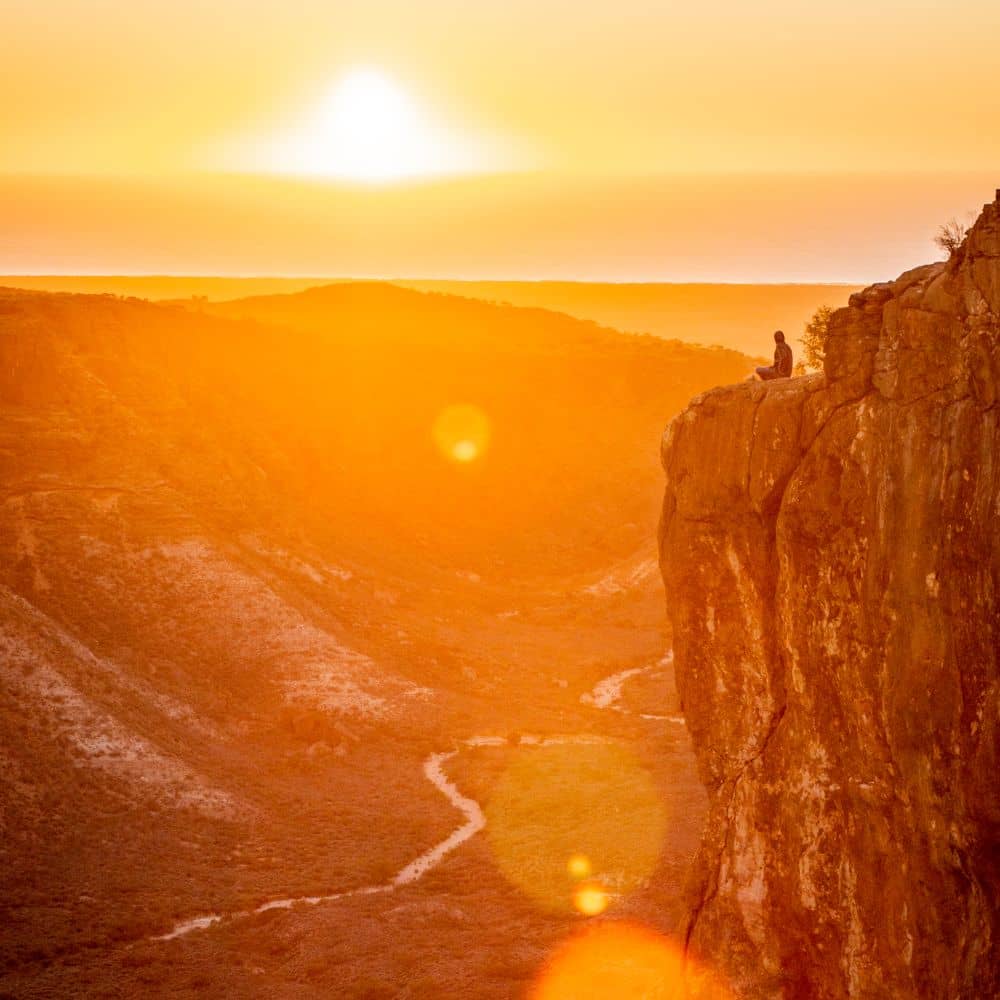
(831, 556)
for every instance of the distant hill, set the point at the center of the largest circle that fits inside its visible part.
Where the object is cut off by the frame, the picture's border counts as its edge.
(741, 317)
(159, 287)
(738, 316)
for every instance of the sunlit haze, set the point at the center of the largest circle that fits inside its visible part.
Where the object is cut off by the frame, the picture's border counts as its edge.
(733, 142)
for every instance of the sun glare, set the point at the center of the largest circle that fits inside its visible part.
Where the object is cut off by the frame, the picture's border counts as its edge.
(369, 128)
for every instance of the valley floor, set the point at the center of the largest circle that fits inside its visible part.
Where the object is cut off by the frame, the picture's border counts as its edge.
(394, 885)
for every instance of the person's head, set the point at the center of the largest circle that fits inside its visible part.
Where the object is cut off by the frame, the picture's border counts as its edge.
(779, 337)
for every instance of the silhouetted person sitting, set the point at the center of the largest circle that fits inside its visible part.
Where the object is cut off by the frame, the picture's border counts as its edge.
(782, 367)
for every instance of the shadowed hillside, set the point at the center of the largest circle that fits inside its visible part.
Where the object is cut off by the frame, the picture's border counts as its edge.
(252, 575)
(571, 410)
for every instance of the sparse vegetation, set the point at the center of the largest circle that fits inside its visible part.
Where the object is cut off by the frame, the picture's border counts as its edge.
(951, 236)
(814, 341)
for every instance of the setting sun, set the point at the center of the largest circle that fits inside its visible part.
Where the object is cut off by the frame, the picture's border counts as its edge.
(368, 128)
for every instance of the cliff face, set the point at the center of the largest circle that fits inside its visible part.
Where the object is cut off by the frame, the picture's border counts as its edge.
(830, 551)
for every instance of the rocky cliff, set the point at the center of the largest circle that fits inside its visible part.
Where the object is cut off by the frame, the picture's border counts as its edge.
(830, 552)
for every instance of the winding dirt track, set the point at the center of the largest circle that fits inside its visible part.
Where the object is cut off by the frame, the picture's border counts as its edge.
(416, 869)
(605, 694)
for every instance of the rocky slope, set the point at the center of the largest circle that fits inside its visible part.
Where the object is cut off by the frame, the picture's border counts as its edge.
(830, 553)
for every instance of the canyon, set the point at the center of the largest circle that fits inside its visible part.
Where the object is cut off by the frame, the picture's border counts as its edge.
(272, 631)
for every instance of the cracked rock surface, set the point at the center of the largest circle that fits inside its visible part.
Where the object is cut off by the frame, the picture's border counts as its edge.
(829, 547)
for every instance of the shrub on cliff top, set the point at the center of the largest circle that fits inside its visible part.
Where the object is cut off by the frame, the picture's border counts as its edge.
(814, 340)
(951, 236)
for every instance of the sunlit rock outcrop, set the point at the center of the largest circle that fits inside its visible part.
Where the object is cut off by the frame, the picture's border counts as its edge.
(831, 556)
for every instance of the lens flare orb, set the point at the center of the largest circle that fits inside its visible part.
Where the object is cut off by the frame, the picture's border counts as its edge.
(590, 899)
(465, 451)
(615, 960)
(462, 433)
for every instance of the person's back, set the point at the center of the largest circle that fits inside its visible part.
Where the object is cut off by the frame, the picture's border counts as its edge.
(783, 359)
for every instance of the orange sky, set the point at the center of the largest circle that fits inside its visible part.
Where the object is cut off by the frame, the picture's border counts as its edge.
(602, 139)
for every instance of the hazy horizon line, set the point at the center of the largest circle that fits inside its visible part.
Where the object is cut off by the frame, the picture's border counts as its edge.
(346, 278)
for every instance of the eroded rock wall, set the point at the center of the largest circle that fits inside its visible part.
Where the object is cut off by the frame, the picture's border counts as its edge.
(830, 551)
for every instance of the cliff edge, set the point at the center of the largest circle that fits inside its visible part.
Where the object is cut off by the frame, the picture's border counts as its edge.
(831, 556)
